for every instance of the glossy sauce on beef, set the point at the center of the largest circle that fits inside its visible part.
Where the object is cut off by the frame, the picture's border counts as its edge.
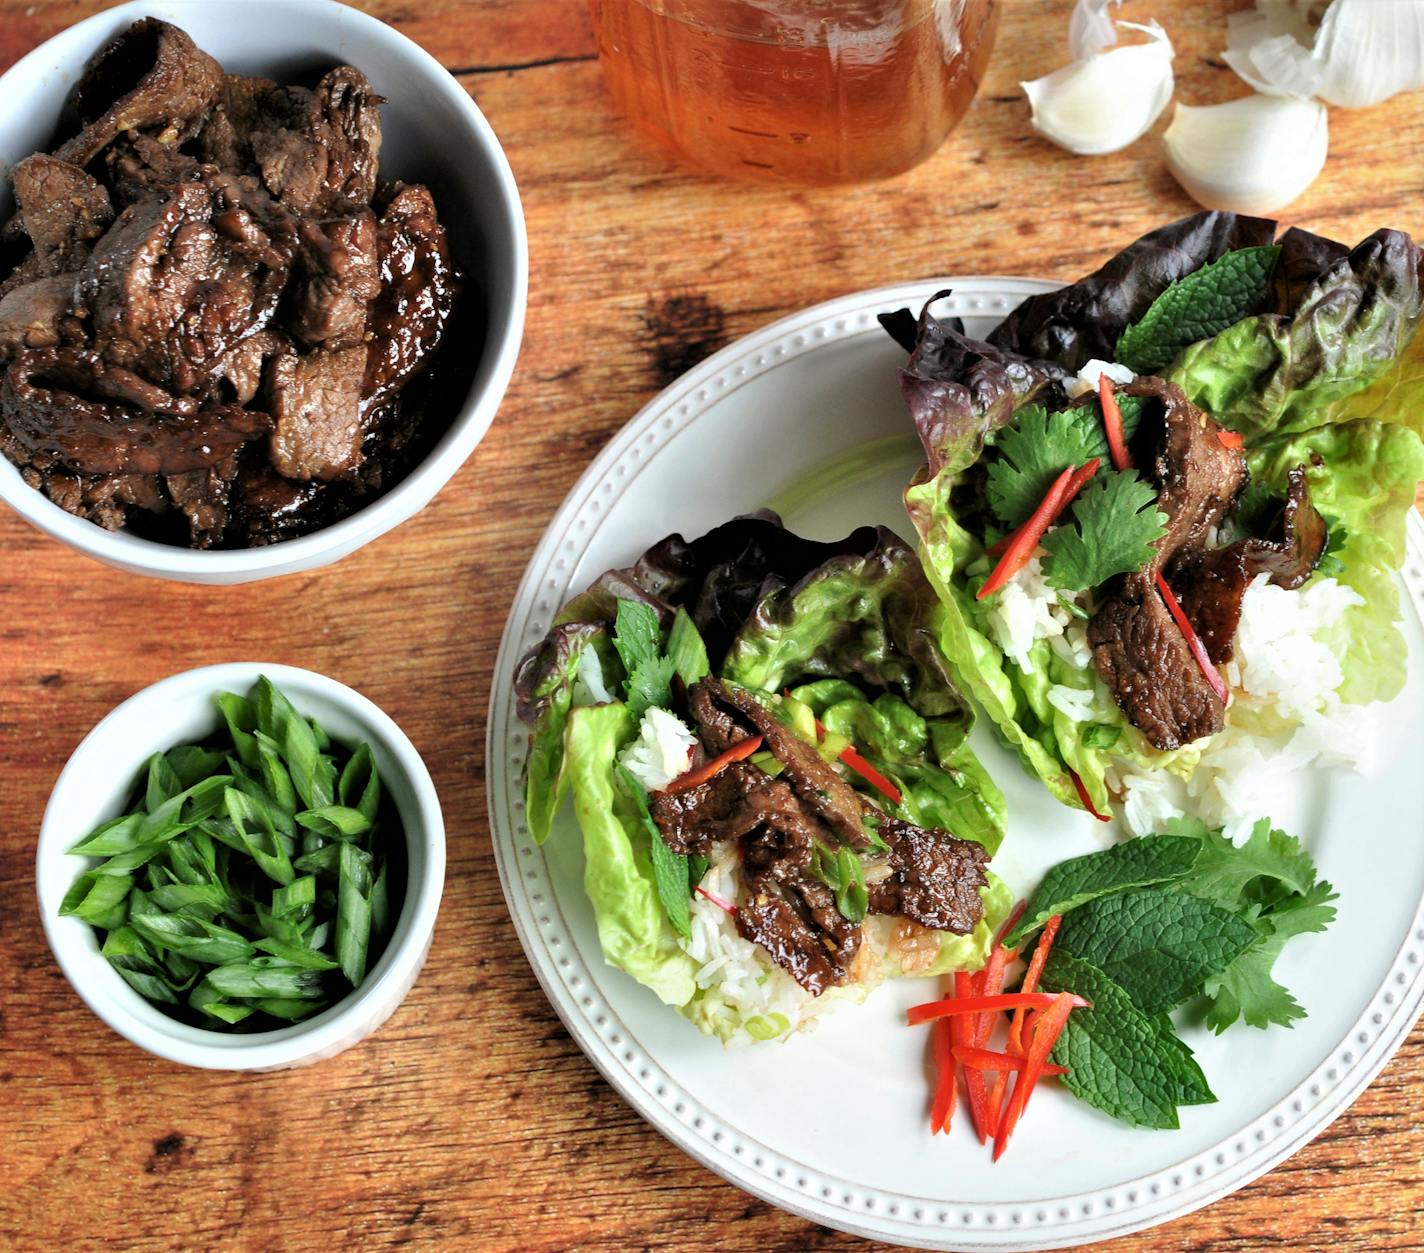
(219, 325)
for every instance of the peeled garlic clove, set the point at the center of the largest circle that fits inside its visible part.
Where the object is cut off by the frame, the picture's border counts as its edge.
(1249, 156)
(1368, 50)
(1363, 52)
(1102, 103)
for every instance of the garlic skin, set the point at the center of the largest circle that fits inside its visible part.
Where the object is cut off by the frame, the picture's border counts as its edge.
(1102, 102)
(1250, 156)
(1364, 51)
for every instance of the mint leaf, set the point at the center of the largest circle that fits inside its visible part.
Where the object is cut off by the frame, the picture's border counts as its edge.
(1246, 989)
(1160, 946)
(637, 634)
(1268, 863)
(1115, 523)
(1136, 864)
(670, 870)
(686, 649)
(1120, 1060)
(1197, 307)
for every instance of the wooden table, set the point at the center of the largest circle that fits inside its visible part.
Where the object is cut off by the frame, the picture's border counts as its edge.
(471, 1117)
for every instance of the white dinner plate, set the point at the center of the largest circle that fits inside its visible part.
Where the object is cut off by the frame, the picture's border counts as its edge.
(832, 1124)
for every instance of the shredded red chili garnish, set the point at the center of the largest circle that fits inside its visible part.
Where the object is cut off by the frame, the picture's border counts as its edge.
(739, 751)
(1198, 649)
(1112, 424)
(1086, 799)
(1025, 539)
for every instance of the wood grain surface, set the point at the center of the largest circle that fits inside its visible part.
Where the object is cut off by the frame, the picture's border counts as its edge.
(470, 1118)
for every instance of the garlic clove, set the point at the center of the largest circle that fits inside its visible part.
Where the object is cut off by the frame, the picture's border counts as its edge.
(1368, 50)
(1269, 47)
(1090, 29)
(1101, 103)
(1249, 156)
(1363, 52)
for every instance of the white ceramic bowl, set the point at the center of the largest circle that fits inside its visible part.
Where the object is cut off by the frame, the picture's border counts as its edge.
(97, 781)
(433, 133)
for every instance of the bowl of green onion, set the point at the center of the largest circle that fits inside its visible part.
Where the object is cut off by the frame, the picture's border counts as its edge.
(239, 868)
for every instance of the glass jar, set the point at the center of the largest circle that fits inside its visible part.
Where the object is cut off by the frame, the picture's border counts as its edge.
(802, 91)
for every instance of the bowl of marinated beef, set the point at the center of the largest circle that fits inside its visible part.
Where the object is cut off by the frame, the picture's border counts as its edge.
(262, 284)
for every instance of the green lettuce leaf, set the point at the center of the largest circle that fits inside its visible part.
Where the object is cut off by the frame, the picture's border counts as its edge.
(1363, 476)
(619, 877)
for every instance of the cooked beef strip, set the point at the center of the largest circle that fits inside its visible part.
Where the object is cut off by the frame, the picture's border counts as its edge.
(139, 166)
(338, 274)
(316, 401)
(184, 275)
(418, 288)
(693, 820)
(242, 367)
(202, 497)
(1198, 477)
(1211, 583)
(248, 232)
(151, 77)
(816, 782)
(321, 147)
(31, 316)
(241, 107)
(47, 401)
(61, 209)
(935, 877)
(1137, 646)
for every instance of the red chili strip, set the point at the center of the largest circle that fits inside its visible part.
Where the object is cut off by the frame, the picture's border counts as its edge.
(718, 901)
(739, 751)
(963, 1030)
(1231, 439)
(1031, 978)
(1046, 1030)
(952, 1005)
(942, 1107)
(871, 775)
(1198, 649)
(1075, 485)
(1026, 538)
(1002, 1063)
(1112, 424)
(1085, 798)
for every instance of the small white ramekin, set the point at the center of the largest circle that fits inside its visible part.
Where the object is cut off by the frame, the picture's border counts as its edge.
(95, 785)
(432, 133)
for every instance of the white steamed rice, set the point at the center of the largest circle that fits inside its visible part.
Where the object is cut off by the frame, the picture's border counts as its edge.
(1285, 714)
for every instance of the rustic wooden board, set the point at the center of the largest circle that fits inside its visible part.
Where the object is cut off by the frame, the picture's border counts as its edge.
(471, 1117)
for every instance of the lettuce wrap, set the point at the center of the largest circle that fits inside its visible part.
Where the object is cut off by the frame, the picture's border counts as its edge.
(840, 640)
(1308, 349)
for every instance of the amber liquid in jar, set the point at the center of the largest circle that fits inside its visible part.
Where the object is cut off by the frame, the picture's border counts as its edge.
(804, 91)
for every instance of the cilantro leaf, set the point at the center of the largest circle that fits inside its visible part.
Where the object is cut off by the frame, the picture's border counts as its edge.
(650, 684)
(1159, 946)
(1115, 523)
(1120, 1060)
(1136, 864)
(1337, 535)
(637, 634)
(1037, 446)
(1246, 989)
(1196, 307)
(1032, 452)
(1224, 871)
